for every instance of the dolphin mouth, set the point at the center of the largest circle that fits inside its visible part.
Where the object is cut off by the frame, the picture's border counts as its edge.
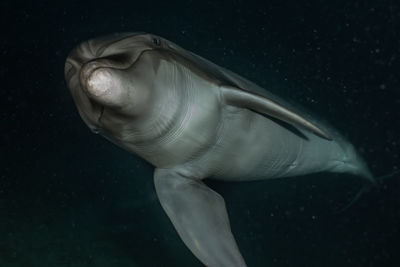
(117, 62)
(97, 129)
(101, 114)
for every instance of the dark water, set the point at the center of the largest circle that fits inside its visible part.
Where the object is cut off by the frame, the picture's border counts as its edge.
(70, 198)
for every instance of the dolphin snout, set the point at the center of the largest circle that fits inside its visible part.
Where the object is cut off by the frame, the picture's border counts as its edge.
(102, 84)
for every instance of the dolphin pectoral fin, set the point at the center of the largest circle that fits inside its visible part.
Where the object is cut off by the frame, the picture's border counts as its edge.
(241, 98)
(200, 218)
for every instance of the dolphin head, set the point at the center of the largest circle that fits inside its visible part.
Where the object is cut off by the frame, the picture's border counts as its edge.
(108, 73)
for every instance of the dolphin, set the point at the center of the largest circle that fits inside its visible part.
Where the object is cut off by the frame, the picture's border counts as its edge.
(193, 120)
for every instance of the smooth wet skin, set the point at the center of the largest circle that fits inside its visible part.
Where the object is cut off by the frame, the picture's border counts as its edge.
(192, 120)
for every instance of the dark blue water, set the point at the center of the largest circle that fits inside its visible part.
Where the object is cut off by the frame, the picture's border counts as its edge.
(70, 198)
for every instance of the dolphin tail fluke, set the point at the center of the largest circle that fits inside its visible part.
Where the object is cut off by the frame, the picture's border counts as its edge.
(356, 165)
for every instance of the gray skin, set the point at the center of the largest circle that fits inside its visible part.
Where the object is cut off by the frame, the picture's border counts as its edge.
(193, 120)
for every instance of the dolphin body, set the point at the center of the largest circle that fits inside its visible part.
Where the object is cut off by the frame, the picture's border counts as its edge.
(193, 120)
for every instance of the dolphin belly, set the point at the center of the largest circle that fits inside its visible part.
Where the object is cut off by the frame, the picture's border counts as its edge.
(256, 147)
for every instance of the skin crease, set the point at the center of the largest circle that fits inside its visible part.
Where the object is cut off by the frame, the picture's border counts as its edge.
(192, 120)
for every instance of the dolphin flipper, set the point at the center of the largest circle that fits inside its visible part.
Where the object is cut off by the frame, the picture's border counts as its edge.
(245, 99)
(200, 218)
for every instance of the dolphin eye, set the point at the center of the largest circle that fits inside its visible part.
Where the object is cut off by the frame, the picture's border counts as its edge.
(156, 41)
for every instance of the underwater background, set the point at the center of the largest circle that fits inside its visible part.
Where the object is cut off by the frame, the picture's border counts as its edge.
(71, 198)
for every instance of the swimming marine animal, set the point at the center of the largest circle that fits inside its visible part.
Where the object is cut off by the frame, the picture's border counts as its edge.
(193, 120)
